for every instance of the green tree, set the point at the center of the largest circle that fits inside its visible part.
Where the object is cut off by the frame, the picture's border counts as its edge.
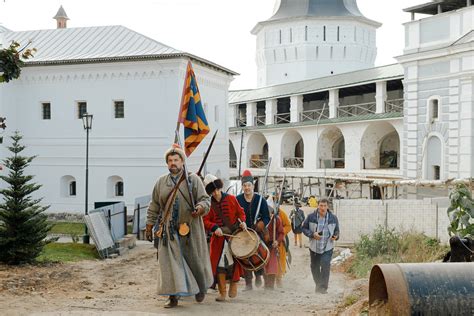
(11, 61)
(23, 225)
(461, 212)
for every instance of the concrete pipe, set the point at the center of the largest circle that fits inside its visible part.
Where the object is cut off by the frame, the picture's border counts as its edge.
(422, 289)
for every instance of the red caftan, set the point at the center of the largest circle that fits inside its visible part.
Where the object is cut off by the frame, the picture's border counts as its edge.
(232, 211)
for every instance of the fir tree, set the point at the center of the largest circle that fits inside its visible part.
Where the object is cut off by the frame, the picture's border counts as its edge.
(23, 226)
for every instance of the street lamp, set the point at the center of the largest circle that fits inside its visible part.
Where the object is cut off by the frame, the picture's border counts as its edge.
(87, 121)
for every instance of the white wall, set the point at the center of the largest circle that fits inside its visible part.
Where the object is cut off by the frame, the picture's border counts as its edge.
(131, 148)
(357, 217)
(305, 54)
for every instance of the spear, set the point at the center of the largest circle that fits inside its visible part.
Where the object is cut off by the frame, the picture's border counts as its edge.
(207, 153)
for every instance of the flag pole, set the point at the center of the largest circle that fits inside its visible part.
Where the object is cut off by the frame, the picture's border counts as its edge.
(183, 94)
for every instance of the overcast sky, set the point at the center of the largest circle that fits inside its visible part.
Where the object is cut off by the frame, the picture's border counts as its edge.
(217, 30)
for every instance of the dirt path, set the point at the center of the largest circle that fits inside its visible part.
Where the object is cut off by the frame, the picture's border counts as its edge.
(127, 286)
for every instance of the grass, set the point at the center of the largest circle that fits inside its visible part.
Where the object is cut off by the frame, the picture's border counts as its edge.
(389, 246)
(70, 228)
(67, 252)
(67, 228)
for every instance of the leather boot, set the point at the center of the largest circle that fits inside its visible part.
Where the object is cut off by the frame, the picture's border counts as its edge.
(248, 282)
(221, 285)
(269, 282)
(233, 289)
(171, 302)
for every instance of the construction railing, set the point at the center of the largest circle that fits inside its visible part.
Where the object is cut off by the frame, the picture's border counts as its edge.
(314, 115)
(240, 122)
(356, 109)
(395, 105)
(258, 163)
(259, 120)
(293, 162)
(282, 118)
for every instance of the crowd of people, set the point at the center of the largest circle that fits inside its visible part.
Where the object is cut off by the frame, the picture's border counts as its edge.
(248, 235)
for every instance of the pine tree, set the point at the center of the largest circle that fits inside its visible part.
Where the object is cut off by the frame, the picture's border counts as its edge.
(23, 226)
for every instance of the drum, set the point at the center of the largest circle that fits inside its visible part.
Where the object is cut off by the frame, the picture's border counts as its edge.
(249, 250)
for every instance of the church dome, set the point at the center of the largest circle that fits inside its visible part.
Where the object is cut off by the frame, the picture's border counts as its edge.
(315, 8)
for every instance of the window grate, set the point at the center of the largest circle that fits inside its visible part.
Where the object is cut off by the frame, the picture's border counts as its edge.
(119, 107)
(46, 107)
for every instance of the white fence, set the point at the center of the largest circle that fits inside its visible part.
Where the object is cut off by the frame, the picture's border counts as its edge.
(357, 217)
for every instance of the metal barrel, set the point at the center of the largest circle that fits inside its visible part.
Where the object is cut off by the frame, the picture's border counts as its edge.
(422, 289)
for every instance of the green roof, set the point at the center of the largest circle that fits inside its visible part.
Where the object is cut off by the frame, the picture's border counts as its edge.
(368, 117)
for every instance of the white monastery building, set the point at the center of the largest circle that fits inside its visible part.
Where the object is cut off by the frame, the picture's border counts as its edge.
(132, 85)
(321, 107)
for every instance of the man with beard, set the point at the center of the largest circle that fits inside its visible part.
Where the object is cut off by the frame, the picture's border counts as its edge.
(249, 201)
(183, 254)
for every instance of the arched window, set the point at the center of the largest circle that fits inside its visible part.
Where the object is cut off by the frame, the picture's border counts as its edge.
(119, 188)
(115, 186)
(433, 158)
(67, 186)
(72, 188)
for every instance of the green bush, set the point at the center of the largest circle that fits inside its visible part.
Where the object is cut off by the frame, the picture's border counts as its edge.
(381, 242)
(390, 246)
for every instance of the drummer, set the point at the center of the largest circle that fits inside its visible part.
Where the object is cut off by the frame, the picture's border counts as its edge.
(224, 218)
(249, 200)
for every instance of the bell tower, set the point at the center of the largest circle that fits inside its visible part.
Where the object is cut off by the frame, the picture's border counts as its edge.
(306, 39)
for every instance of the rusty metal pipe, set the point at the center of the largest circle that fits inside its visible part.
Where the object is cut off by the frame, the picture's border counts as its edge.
(422, 289)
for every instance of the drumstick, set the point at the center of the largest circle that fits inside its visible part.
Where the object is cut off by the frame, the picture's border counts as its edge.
(227, 235)
(247, 230)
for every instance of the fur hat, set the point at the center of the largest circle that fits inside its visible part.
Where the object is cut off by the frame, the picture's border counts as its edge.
(212, 183)
(247, 177)
(175, 149)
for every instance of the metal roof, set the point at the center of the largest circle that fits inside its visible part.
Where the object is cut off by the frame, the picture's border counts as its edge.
(61, 14)
(431, 8)
(4, 29)
(319, 84)
(296, 8)
(290, 9)
(96, 44)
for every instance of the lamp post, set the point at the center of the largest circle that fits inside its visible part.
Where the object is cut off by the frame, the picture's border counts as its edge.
(87, 121)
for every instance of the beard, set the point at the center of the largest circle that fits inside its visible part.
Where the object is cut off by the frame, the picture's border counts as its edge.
(174, 170)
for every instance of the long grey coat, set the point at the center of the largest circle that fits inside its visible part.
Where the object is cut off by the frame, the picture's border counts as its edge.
(185, 267)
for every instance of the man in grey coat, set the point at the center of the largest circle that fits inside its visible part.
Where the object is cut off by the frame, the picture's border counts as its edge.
(184, 261)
